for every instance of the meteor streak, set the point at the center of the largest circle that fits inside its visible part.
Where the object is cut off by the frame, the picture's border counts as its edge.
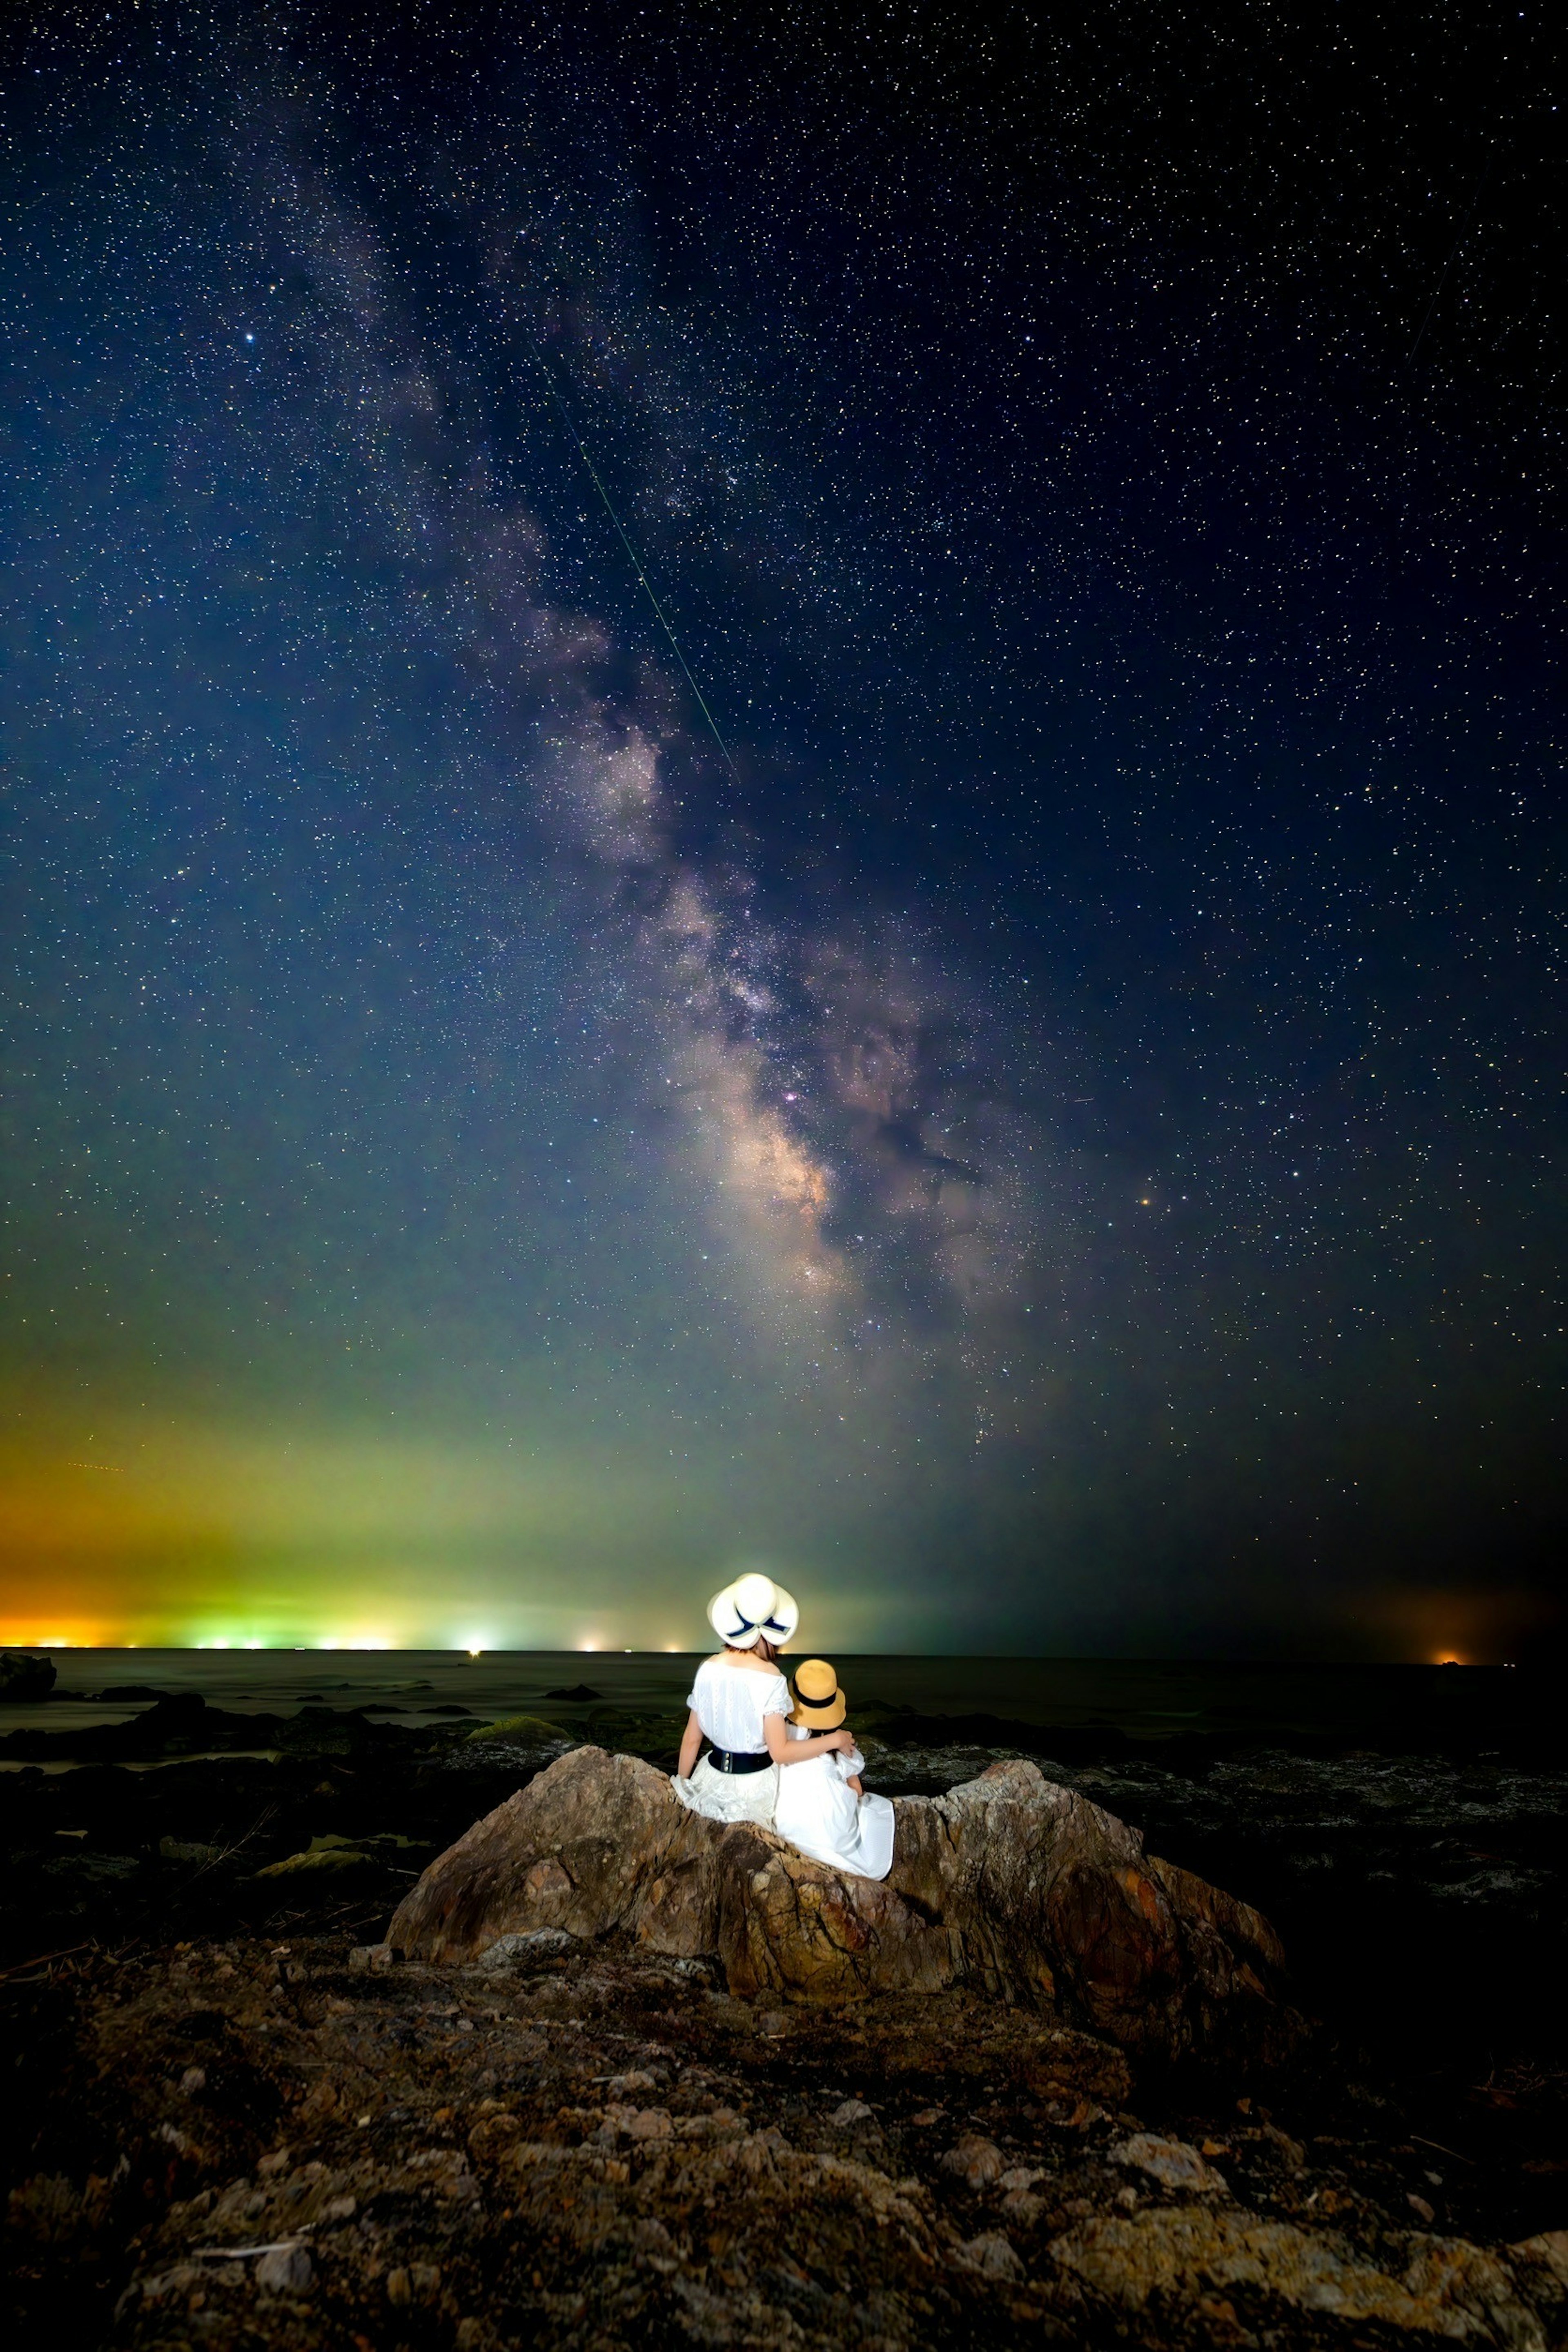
(581, 448)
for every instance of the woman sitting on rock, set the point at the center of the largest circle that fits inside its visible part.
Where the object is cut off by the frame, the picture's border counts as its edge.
(824, 1809)
(739, 1702)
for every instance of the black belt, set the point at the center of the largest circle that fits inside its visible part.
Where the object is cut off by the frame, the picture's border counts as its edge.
(732, 1759)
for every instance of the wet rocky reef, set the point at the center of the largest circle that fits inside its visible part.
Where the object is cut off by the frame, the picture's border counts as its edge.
(234, 2118)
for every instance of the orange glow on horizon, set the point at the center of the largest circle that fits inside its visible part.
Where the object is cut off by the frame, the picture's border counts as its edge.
(58, 1634)
(279, 1539)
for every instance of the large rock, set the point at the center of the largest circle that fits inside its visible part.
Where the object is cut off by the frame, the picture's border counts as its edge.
(24, 1677)
(1008, 1881)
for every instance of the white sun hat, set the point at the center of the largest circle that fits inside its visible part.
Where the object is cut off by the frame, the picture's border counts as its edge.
(753, 1609)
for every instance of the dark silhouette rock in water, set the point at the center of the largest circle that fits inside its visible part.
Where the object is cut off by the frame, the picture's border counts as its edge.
(24, 1677)
(577, 1691)
(1009, 1883)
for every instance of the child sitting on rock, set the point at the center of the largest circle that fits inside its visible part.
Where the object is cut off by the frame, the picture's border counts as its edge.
(822, 1807)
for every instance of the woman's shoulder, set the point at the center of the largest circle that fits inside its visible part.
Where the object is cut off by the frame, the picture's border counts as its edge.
(728, 1668)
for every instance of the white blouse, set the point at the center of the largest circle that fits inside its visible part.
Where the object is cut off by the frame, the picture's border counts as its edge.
(731, 1702)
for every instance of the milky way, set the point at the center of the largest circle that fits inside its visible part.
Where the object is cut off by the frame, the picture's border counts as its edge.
(1033, 1124)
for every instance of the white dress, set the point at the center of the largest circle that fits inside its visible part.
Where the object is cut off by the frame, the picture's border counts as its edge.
(827, 1820)
(730, 1703)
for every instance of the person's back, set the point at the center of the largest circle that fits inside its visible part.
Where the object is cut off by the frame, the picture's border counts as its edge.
(738, 1703)
(821, 1806)
(730, 1699)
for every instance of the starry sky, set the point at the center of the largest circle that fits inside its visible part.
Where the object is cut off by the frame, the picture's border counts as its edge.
(781, 790)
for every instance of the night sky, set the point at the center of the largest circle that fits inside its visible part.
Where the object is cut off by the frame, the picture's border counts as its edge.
(1012, 1080)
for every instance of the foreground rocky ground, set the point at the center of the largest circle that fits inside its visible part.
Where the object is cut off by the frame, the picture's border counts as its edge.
(230, 2121)
(245, 2144)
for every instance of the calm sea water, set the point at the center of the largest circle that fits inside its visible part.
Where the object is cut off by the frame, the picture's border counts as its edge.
(1157, 1700)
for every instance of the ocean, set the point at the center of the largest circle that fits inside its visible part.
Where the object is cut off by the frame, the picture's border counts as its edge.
(1413, 1708)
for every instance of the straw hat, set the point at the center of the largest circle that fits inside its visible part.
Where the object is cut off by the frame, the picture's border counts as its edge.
(753, 1609)
(819, 1703)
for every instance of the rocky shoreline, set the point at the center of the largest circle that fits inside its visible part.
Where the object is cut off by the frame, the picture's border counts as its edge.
(1009, 1884)
(586, 2141)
